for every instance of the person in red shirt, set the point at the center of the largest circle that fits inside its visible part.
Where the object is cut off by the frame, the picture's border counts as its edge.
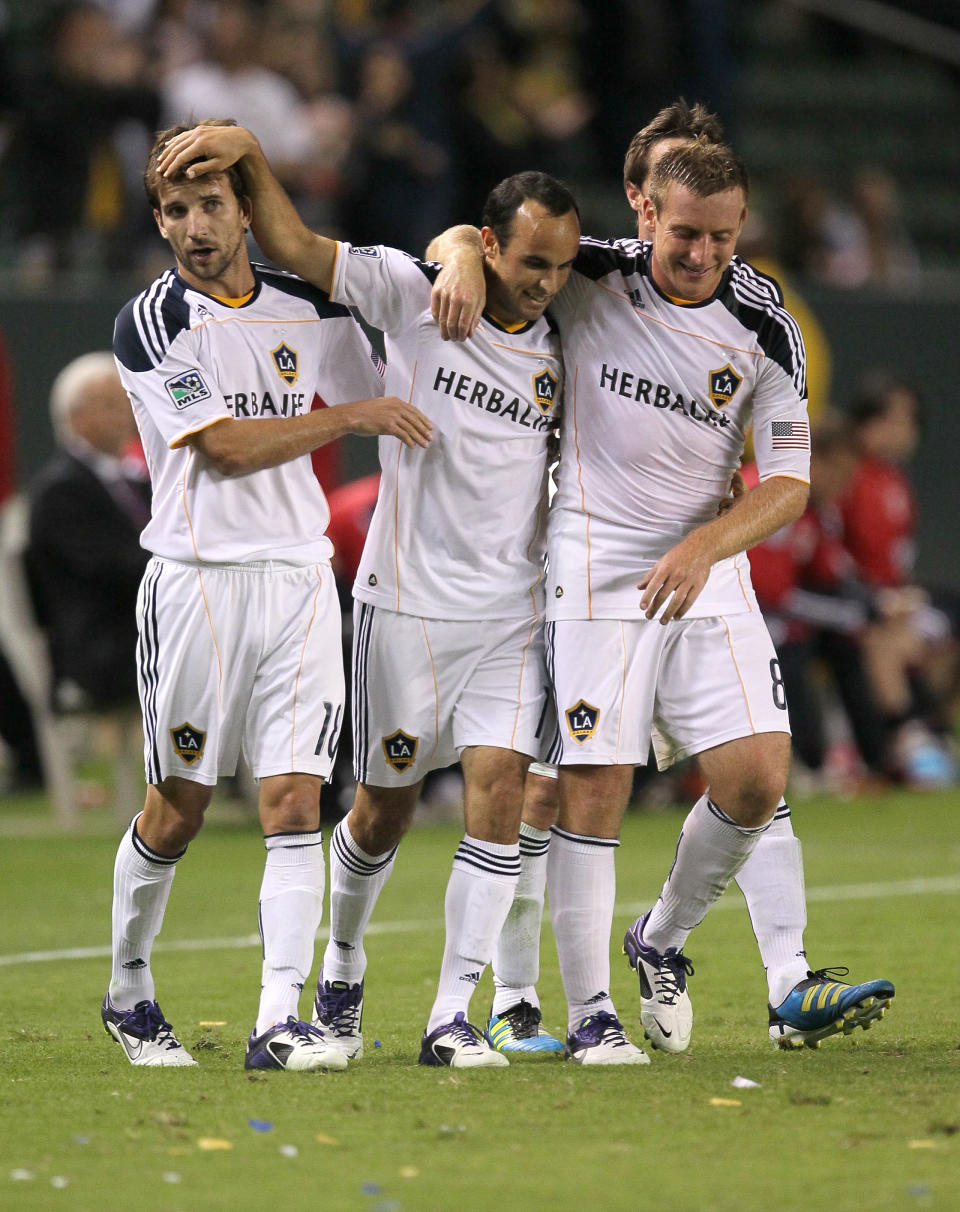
(818, 610)
(918, 686)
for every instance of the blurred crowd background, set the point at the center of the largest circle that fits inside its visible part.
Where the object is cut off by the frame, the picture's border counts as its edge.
(388, 120)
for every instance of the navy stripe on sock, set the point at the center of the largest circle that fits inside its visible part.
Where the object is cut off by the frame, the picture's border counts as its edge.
(602, 842)
(352, 861)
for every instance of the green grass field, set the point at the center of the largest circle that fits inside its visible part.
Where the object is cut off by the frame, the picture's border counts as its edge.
(872, 1120)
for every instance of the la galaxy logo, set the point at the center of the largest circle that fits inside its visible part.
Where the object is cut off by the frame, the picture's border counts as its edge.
(582, 720)
(285, 360)
(187, 389)
(545, 386)
(400, 750)
(723, 385)
(188, 742)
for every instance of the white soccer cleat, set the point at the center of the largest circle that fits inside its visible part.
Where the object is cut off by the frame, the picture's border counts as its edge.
(600, 1040)
(338, 1012)
(666, 1012)
(460, 1045)
(144, 1035)
(293, 1045)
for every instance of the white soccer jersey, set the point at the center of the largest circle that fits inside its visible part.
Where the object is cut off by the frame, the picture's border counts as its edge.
(188, 360)
(659, 400)
(459, 529)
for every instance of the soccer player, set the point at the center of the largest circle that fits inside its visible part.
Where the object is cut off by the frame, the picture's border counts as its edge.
(673, 347)
(239, 624)
(448, 657)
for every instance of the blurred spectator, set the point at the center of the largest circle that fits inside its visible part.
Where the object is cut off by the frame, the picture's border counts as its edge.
(890, 258)
(84, 559)
(880, 518)
(231, 79)
(818, 611)
(22, 770)
(82, 95)
(398, 187)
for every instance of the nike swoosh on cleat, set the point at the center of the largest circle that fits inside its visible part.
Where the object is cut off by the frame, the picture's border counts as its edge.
(666, 1033)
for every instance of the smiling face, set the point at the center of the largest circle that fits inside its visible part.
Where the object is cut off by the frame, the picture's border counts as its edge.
(524, 275)
(206, 226)
(693, 238)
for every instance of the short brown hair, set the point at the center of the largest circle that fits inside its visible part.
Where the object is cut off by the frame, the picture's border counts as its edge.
(152, 178)
(703, 167)
(677, 121)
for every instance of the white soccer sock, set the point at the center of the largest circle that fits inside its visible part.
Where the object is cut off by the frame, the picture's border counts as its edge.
(516, 956)
(479, 894)
(711, 849)
(291, 906)
(356, 879)
(771, 881)
(141, 885)
(583, 886)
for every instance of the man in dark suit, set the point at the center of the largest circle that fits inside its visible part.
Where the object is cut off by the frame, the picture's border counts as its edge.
(84, 559)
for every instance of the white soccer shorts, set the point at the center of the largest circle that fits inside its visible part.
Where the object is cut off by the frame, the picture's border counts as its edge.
(238, 659)
(688, 686)
(425, 689)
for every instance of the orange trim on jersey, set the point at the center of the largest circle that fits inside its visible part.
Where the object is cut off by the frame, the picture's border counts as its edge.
(515, 326)
(396, 496)
(623, 685)
(736, 565)
(237, 302)
(523, 665)
(186, 508)
(583, 503)
(296, 680)
(213, 636)
(699, 336)
(746, 700)
(184, 439)
(436, 688)
(527, 353)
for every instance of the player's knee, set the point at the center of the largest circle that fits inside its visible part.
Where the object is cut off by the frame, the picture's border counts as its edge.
(290, 804)
(752, 800)
(380, 817)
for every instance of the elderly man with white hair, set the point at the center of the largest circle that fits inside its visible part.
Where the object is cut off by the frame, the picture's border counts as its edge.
(84, 559)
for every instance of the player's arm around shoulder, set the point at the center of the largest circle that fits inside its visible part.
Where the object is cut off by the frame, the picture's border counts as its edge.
(279, 230)
(460, 290)
(681, 573)
(238, 447)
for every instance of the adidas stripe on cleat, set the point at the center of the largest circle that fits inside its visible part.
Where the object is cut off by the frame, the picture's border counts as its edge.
(518, 1030)
(666, 1011)
(821, 1006)
(599, 1040)
(460, 1045)
(293, 1045)
(144, 1035)
(338, 1012)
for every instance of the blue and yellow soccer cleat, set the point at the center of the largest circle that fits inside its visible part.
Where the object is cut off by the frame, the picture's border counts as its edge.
(518, 1030)
(821, 1006)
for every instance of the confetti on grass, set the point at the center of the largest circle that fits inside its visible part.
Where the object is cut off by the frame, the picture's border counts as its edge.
(725, 1102)
(212, 1143)
(289, 1150)
(323, 1139)
(744, 1083)
(260, 1125)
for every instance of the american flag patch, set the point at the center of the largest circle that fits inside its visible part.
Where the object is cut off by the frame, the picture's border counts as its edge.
(790, 435)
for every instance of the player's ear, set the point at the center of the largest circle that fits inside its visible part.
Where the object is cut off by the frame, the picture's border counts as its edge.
(648, 213)
(491, 245)
(246, 212)
(634, 197)
(159, 222)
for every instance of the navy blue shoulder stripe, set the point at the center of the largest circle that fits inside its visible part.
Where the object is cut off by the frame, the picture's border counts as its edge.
(148, 324)
(429, 269)
(757, 302)
(290, 284)
(597, 258)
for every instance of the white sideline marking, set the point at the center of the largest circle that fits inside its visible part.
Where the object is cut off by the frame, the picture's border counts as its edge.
(922, 886)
